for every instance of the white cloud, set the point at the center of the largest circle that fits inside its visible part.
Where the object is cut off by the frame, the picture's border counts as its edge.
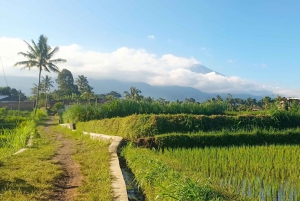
(136, 65)
(151, 37)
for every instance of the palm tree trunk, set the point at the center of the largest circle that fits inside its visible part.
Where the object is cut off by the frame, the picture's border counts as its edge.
(38, 92)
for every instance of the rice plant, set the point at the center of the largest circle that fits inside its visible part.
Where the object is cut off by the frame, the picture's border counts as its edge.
(260, 172)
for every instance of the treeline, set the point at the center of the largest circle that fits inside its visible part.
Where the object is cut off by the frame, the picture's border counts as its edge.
(7, 91)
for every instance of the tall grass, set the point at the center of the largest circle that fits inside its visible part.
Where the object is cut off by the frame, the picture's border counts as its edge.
(12, 140)
(122, 108)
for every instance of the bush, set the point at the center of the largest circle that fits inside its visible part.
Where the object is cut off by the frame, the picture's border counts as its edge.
(57, 106)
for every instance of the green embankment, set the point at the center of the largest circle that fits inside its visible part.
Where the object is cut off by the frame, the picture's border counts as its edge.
(136, 126)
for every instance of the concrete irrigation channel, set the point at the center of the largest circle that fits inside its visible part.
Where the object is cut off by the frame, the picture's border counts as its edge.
(123, 182)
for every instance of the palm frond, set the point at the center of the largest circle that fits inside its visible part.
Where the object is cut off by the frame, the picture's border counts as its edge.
(30, 47)
(28, 55)
(57, 61)
(51, 67)
(53, 52)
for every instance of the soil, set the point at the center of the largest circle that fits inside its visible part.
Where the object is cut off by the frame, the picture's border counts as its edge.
(66, 185)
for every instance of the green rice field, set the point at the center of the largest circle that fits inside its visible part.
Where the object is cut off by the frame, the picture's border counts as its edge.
(259, 172)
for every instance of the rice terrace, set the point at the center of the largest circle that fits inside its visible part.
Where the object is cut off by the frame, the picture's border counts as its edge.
(174, 150)
(112, 100)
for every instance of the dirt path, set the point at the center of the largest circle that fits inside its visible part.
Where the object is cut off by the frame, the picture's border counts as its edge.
(65, 186)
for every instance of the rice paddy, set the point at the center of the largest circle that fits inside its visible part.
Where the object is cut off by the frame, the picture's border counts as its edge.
(259, 172)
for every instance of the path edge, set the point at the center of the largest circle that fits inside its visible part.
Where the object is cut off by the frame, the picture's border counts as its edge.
(118, 182)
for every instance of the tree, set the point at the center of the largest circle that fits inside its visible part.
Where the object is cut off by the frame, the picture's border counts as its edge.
(134, 94)
(40, 55)
(219, 98)
(83, 84)
(189, 100)
(5, 91)
(34, 90)
(46, 86)
(65, 83)
(114, 94)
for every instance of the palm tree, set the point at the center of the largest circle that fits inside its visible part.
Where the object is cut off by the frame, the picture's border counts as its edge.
(39, 55)
(34, 89)
(134, 94)
(46, 85)
(82, 83)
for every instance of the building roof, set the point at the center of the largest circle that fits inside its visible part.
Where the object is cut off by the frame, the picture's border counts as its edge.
(3, 96)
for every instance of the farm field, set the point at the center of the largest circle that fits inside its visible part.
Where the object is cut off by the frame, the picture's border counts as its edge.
(258, 172)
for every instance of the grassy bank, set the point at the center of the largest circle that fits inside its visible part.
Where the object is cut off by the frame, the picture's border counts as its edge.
(31, 175)
(11, 140)
(135, 126)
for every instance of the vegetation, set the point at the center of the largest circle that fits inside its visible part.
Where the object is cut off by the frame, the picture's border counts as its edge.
(34, 179)
(40, 55)
(65, 83)
(225, 138)
(30, 175)
(135, 126)
(46, 86)
(260, 172)
(122, 108)
(13, 139)
(162, 182)
(96, 183)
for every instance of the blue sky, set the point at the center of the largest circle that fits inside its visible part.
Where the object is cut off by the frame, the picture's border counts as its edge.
(253, 40)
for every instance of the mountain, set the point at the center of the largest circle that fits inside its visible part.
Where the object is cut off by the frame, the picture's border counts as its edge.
(198, 68)
(171, 93)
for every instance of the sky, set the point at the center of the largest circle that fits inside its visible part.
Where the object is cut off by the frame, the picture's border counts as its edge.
(254, 43)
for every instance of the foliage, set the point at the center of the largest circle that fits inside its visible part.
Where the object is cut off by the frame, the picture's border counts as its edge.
(57, 106)
(227, 138)
(40, 55)
(12, 140)
(17, 131)
(135, 126)
(65, 83)
(134, 94)
(12, 92)
(161, 182)
(261, 172)
(83, 84)
(122, 108)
